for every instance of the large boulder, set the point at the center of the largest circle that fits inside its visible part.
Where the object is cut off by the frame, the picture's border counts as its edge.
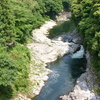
(63, 16)
(43, 51)
(71, 37)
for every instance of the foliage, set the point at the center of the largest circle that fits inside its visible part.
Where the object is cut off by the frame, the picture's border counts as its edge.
(18, 18)
(14, 69)
(8, 70)
(25, 19)
(67, 4)
(6, 92)
(22, 57)
(7, 23)
(86, 16)
(8, 74)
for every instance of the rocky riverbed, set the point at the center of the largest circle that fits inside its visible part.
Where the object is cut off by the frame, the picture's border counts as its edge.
(85, 85)
(43, 51)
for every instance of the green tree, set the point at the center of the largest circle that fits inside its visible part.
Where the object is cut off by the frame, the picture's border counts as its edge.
(86, 16)
(7, 23)
(8, 70)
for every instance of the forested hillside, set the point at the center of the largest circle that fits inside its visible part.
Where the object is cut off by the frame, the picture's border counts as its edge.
(86, 16)
(17, 19)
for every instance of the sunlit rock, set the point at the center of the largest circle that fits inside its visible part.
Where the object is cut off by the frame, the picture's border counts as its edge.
(85, 85)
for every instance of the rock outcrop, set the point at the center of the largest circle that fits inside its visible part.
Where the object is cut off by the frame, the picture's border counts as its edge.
(63, 16)
(85, 85)
(43, 51)
(70, 38)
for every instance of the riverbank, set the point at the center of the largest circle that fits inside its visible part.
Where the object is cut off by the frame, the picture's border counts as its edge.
(85, 85)
(43, 51)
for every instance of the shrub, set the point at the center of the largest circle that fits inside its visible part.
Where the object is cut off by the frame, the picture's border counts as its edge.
(21, 55)
(8, 70)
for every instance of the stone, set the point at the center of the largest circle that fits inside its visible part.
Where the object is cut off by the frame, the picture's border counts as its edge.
(77, 40)
(46, 51)
(43, 51)
(84, 87)
(63, 16)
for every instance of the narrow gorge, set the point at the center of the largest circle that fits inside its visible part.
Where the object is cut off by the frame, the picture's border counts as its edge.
(45, 51)
(50, 50)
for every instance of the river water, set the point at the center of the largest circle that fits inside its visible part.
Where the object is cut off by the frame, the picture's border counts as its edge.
(62, 80)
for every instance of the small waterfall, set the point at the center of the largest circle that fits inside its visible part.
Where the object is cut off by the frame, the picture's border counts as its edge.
(79, 54)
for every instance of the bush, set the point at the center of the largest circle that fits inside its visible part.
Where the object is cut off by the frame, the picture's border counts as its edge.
(21, 55)
(8, 70)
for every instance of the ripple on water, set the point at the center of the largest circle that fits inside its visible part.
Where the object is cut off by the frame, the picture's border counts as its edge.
(61, 80)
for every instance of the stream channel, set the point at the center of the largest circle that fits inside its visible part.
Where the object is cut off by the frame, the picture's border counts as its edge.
(65, 72)
(62, 80)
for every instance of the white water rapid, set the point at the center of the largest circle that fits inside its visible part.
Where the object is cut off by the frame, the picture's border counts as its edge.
(79, 54)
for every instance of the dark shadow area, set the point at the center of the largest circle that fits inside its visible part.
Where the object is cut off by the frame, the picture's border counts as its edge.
(78, 67)
(52, 14)
(5, 92)
(66, 6)
(61, 28)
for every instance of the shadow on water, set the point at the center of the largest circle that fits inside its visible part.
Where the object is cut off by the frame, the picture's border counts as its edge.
(61, 28)
(62, 80)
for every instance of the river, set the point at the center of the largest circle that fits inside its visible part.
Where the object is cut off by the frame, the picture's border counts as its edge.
(62, 80)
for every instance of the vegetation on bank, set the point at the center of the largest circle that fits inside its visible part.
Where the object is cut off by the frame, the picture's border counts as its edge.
(18, 18)
(86, 16)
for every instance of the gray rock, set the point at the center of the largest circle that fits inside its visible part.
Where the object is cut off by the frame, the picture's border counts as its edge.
(77, 40)
(67, 39)
(84, 88)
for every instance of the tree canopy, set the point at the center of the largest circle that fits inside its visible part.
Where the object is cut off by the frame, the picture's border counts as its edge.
(17, 19)
(86, 16)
